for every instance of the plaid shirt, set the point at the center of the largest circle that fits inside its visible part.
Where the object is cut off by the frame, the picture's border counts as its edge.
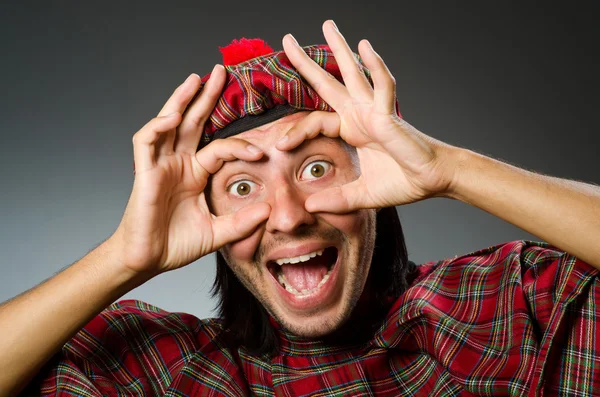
(516, 319)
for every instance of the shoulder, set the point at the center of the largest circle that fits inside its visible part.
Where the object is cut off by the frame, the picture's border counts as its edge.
(508, 285)
(135, 328)
(534, 274)
(131, 311)
(525, 257)
(127, 345)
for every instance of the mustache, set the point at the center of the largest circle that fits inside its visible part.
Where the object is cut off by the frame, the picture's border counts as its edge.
(328, 234)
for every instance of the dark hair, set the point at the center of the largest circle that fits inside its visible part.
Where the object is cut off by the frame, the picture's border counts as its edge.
(247, 321)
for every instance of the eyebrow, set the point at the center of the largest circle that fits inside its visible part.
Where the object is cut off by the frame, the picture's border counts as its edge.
(329, 142)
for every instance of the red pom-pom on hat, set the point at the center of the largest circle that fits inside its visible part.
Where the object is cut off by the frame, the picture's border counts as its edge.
(243, 50)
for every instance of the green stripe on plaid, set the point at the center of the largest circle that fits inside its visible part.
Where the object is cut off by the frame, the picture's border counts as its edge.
(255, 86)
(515, 319)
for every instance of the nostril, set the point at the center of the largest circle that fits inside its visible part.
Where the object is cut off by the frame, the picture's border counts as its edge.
(289, 219)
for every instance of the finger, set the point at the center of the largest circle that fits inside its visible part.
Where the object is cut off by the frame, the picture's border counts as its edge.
(325, 123)
(178, 102)
(383, 80)
(235, 226)
(337, 200)
(145, 140)
(354, 78)
(181, 97)
(212, 156)
(332, 91)
(190, 131)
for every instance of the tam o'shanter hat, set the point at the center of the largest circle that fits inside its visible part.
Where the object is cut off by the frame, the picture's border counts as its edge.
(263, 86)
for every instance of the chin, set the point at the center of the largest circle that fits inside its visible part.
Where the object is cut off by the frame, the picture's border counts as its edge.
(315, 327)
(320, 320)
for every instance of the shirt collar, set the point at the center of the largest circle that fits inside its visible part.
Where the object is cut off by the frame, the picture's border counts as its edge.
(355, 335)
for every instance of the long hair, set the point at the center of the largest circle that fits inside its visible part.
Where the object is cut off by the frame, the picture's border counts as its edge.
(247, 321)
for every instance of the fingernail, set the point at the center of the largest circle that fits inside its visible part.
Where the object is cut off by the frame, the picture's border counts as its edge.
(253, 149)
(371, 46)
(334, 25)
(294, 41)
(191, 76)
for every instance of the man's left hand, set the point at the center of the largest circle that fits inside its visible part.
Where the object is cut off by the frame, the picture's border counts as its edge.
(398, 163)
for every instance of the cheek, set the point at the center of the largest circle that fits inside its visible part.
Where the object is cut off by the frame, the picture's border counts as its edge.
(353, 225)
(219, 205)
(244, 250)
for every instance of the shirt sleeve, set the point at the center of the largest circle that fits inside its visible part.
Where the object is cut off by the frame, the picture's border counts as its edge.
(131, 348)
(563, 293)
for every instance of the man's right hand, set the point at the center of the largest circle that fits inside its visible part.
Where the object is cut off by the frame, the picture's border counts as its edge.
(167, 223)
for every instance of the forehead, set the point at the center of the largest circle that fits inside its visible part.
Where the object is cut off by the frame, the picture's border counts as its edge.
(266, 136)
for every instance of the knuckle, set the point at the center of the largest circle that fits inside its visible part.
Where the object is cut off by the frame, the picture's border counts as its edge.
(392, 80)
(178, 89)
(138, 137)
(197, 120)
(214, 149)
(234, 142)
(316, 85)
(150, 125)
(147, 133)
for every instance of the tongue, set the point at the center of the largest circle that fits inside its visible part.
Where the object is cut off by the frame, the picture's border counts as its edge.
(305, 275)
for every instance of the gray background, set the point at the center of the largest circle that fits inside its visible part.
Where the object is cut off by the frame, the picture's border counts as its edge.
(511, 80)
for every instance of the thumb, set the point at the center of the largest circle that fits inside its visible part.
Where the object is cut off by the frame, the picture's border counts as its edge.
(235, 226)
(338, 199)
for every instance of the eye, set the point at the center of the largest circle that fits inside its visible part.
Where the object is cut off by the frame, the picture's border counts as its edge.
(315, 170)
(241, 188)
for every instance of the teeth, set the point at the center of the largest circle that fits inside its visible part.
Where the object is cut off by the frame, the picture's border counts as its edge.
(282, 280)
(301, 258)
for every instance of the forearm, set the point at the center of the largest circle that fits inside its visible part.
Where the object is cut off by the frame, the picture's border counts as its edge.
(562, 212)
(35, 325)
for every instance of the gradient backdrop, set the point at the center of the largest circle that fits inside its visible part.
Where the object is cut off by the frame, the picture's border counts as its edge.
(511, 80)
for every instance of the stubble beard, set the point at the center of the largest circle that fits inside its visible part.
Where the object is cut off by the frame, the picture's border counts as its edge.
(358, 263)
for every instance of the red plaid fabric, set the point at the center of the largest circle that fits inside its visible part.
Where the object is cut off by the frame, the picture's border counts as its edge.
(266, 82)
(517, 319)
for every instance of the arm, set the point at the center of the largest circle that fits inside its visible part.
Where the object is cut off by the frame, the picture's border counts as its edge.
(166, 225)
(36, 324)
(562, 212)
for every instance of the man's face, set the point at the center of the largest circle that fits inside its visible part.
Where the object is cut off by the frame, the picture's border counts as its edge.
(307, 269)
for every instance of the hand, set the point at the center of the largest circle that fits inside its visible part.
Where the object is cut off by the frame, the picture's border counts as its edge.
(398, 163)
(167, 223)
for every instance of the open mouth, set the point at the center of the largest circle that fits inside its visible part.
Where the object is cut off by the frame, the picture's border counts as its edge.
(305, 274)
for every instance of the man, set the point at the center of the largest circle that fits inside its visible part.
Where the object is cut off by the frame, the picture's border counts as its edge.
(298, 205)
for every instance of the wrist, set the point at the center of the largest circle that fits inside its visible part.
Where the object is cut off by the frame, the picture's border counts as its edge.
(112, 252)
(453, 163)
(469, 169)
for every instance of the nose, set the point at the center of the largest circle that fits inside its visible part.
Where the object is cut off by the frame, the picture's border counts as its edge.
(287, 210)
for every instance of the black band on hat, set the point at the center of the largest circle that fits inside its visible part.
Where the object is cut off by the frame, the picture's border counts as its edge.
(249, 122)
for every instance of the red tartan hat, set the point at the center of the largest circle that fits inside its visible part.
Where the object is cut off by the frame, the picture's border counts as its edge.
(263, 86)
